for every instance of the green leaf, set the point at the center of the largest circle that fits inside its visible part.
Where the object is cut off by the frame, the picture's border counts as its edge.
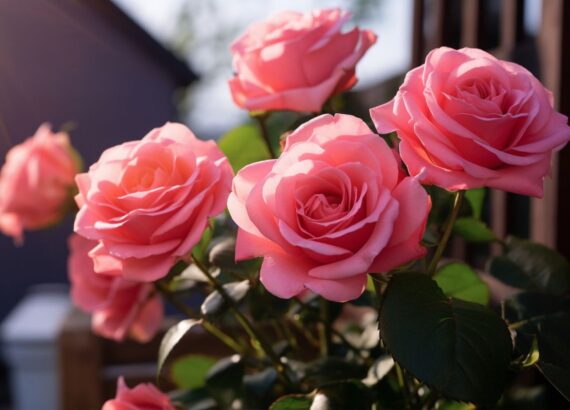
(545, 318)
(351, 394)
(224, 380)
(459, 281)
(379, 369)
(292, 402)
(195, 399)
(172, 337)
(215, 303)
(461, 349)
(189, 371)
(533, 355)
(508, 272)
(455, 405)
(243, 145)
(532, 266)
(476, 199)
(473, 230)
(333, 369)
(222, 252)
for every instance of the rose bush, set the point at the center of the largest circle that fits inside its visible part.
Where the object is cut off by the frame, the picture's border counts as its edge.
(36, 182)
(147, 202)
(468, 120)
(143, 396)
(296, 61)
(120, 308)
(331, 209)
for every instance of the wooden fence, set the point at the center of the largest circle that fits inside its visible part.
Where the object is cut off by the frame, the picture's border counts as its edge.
(498, 27)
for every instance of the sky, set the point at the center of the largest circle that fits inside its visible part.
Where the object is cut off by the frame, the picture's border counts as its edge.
(202, 32)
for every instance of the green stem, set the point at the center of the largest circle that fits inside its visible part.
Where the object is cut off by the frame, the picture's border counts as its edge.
(261, 120)
(190, 313)
(253, 333)
(324, 328)
(403, 383)
(458, 199)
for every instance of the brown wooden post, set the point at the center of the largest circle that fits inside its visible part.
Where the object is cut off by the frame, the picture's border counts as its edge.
(543, 226)
(470, 23)
(79, 364)
(418, 43)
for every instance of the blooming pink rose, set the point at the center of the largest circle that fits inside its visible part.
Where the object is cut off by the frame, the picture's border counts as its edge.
(147, 202)
(120, 307)
(468, 120)
(333, 207)
(36, 182)
(142, 397)
(296, 61)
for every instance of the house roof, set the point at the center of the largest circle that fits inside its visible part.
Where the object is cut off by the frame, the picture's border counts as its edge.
(122, 22)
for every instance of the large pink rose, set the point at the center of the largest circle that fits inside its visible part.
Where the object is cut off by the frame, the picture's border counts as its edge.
(333, 207)
(141, 397)
(120, 308)
(147, 202)
(295, 61)
(468, 120)
(36, 182)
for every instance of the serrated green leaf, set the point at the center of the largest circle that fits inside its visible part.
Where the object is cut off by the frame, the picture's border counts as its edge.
(462, 349)
(459, 281)
(546, 318)
(172, 337)
(532, 266)
(473, 230)
(189, 371)
(243, 145)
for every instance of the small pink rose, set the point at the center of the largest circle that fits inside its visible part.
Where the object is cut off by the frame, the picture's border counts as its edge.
(120, 308)
(147, 202)
(332, 208)
(468, 120)
(143, 396)
(296, 61)
(36, 182)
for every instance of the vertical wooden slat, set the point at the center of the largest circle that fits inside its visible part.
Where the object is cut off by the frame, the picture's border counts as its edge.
(563, 234)
(79, 364)
(470, 23)
(418, 43)
(544, 211)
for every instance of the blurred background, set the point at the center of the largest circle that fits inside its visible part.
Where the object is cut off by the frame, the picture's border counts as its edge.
(109, 71)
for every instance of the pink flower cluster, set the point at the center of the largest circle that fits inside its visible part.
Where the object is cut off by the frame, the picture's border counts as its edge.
(36, 182)
(143, 206)
(336, 205)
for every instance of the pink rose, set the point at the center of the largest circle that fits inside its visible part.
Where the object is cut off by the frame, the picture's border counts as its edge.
(143, 396)
(332, 208)
(120, 307)
(468, 120)
(36, 182)
(295, 61)
(147, 202)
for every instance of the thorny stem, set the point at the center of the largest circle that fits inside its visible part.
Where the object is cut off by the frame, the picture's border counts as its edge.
(246, 324)
(458, 199)
(208, 327)
(261, 120)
